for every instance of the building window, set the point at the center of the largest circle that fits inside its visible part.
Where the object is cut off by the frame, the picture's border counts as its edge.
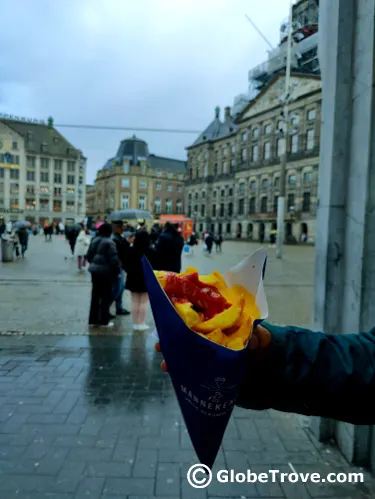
(214, 210)
(57, 192)
(44, 177)
(70, 205)
(253, 186)
(241, 206)
(30, 189)
(180, 188)
(252, 205)
(267, 150)
(44, 189)
(290, 202)
(244, 136)
(203, 194)
(143, 184)
(230, 191)
(125, 201)
(280, 147)
(71, 166)
(179, 206)
(2, 172)
(292, 179)
(44, 204)
(169, 187)
(230, 209)
(310, 139)
(243, 155)
(157, 206)
(180, 176)
(222, 209)
(255, 133)
(168, 206)
(222, 193)
(267, 129)
(265, 183)
(241, 188)
(44, 163)
(189, 211)
(58, 165)
(275, 202)
(263, 204)
(125, 183)
(225, 166)
(255, 153)
(170, 175)
(307, 177)
(203, 210)
(30, 161)
(280, 126)
(233, 149)
(30, 204)
(158, 173)
(57, 206)
(295, 120)
(195, 210)
(14, 174)
(143, 169)
(306, 202)
(57, 178)
(276, 182)
(70, 191)
(294, 144)
(30, 176)
(158, 186)
(14, 188)
(14, 203)
(14, 145)
(125, 167)
(142, 202)
(70, 179)
(189, 197)
(311, 114)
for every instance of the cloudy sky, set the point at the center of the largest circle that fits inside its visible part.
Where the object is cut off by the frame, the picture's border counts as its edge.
(144, 63)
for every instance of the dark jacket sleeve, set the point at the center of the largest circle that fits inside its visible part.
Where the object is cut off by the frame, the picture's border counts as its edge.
(113, 259)
(313, 373)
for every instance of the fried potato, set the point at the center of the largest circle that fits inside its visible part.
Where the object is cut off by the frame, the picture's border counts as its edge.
(223, 320)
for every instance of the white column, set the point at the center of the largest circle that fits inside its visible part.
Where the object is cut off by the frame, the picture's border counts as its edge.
(345, 263)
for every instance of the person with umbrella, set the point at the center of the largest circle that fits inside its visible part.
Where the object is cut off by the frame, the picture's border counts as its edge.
(22, 230)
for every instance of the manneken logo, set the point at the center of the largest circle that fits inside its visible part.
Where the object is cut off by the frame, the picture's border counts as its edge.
(219, 400)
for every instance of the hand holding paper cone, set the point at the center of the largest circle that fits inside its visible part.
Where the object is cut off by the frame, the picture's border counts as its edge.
(208, 306)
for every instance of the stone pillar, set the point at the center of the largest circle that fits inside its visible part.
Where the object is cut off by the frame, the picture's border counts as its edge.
(345, 263)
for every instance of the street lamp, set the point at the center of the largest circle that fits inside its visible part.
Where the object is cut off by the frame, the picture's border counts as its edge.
(286, 99)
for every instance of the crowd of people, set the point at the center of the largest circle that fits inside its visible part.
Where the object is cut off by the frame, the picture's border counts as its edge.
(115, 263)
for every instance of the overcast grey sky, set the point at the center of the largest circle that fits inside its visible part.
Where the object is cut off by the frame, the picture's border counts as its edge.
(152, 63)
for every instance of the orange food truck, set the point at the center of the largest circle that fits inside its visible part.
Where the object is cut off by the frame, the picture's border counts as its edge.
(185, 225)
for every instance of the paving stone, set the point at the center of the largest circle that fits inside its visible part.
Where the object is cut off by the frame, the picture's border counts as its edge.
(52, 461)
(145, 463)
(189, 492)
(168, 479)
(129, 486)
(108, 469)
(47, 418)
(74, 441)
(91, 488)
(89, 454)
(159, 442)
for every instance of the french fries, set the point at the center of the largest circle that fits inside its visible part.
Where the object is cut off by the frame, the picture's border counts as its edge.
(206, 304)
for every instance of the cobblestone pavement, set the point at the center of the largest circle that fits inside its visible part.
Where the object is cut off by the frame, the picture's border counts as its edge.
(93, 416)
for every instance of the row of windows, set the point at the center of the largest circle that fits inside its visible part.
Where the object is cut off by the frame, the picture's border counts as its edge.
(125, 183)
(219, 210)
(45, 164)
(265, 183)
(255, 154)
(57, 191)
(8, 158)
(45, 205)
(159, 173)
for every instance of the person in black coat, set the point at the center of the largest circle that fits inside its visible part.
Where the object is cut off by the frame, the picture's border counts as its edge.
(169, 248)
(135, 280)
(105, 269)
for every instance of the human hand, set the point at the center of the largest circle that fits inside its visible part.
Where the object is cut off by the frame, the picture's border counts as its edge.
(259, 340)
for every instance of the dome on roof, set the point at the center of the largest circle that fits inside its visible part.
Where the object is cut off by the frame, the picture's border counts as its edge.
(132, 148)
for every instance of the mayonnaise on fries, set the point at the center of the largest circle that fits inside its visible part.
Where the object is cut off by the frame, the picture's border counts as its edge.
(206, 304)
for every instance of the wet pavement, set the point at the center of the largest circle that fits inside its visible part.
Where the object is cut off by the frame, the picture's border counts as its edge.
(93, 416)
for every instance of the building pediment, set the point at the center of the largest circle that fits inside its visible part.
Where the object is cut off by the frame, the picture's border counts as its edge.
(271, 95)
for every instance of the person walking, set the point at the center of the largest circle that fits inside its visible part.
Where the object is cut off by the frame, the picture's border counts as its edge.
(218, 242)
(23, 236)
(81, 248)
(209, 240)
(104, 268)
(135, 280)
(169, 248)
(122, 246)
(71, 235)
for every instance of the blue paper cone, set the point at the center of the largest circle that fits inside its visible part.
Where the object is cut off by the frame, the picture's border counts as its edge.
(206, 376)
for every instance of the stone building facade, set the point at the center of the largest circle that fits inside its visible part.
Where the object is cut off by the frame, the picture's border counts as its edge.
(234, 171)
(134, 178)
(42, 176)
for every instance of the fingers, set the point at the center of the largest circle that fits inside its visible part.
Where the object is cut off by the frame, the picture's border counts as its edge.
(157, 347)
(260, 338)
(164, 367)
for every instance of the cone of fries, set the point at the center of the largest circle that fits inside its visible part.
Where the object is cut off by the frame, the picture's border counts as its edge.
(204, 323)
